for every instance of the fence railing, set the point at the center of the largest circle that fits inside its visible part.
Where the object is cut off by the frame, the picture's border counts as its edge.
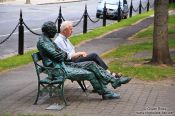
(84, 17)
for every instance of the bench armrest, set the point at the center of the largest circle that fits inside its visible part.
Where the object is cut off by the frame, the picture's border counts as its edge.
(57, 72)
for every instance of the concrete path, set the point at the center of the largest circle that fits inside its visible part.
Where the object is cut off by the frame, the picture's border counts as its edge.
(18, 88)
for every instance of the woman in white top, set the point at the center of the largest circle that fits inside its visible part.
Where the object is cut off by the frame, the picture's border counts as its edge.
(63, 42)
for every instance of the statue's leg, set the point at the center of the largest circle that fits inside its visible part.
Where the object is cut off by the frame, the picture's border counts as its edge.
(106, 77)
(98, 71)
(83, 74)
(79, 74)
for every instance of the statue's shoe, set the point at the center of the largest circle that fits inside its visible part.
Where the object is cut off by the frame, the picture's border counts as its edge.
(111, 95)
(124, 80)
(120, 81)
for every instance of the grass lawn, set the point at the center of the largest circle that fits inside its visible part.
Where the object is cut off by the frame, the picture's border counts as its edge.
(132, 60)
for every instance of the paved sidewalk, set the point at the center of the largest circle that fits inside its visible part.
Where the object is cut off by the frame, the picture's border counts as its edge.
(18, 89)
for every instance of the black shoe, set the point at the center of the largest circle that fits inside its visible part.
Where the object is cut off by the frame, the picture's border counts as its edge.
(111, 95)
(116, 75)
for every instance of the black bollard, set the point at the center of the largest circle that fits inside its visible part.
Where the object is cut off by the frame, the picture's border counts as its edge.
(119, 13)
(148, 6)
(131, 7)
(59, 20)
(140, 7)
(21, 35)
(104, 14)
(85, 20)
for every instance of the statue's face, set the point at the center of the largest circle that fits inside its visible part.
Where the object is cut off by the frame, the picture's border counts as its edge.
(49, 29)
(52, 32)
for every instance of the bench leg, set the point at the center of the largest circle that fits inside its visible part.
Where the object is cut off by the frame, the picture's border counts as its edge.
(62, 94)
(83, 86)
(37, 94)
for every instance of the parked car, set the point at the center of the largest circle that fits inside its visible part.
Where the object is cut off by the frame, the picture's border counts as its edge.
(112, 8)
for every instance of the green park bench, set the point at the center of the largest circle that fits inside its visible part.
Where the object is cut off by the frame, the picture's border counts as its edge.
(49, 83)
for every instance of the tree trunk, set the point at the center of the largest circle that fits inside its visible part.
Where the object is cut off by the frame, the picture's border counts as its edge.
(28, 2)
(161, 54)
(170, 1)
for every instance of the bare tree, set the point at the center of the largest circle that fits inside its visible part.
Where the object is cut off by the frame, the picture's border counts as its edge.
(161, 54)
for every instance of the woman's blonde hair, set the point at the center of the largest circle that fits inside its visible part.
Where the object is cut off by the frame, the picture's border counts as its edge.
(65, 25)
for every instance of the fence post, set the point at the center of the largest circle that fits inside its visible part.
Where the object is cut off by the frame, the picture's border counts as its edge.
(148, 6)
(59, 20)
(131, 7)
(140, 7)
(119, 13)
(104, 15)
(85, 20)
(21, 35)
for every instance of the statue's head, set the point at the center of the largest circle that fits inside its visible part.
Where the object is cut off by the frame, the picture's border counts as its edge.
(49, 29)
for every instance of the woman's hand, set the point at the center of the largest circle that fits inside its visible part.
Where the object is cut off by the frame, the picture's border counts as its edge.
(84, 54)
(79, 54)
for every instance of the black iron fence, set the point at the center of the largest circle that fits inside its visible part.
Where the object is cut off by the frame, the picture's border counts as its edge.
(84, 17)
